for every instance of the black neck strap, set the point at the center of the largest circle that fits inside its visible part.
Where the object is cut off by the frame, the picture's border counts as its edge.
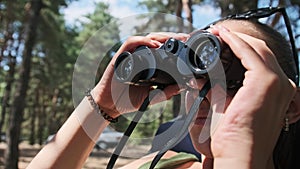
(129, 131)
(184, 130)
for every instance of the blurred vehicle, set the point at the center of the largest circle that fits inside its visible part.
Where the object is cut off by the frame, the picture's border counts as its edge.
(3, 137)
(109, 138)
(49, 138)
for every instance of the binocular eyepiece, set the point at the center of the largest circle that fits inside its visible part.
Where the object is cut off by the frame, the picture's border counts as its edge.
(174, 62)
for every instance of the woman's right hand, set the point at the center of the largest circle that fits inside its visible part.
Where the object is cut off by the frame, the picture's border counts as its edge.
(115, 97)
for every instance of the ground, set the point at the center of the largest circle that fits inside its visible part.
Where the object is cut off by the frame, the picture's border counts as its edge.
(97, 159)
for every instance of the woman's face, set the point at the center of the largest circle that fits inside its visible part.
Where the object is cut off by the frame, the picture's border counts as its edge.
(211, 108)
(214, 105)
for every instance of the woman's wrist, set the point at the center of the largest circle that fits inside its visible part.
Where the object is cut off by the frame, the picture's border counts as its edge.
(241, 157)
(240, 163)
(104, 112)
(234, 151)
(90, 121)
(232, 163)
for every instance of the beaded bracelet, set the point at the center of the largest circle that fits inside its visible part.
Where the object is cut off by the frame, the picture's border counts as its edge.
(96, 107)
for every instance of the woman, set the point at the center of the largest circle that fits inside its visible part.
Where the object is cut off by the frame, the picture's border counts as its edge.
(256, 155)
(251, 124)
(267, 45)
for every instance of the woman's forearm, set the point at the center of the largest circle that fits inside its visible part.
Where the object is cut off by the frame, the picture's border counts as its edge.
(74, 141)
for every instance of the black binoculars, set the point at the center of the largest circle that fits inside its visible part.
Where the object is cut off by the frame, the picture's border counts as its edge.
(175, 61)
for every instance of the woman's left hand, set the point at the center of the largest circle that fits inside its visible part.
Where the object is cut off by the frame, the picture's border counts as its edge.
(253, 120)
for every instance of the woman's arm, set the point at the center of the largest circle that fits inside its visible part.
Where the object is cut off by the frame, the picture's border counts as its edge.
(76, 138)
(74, 141)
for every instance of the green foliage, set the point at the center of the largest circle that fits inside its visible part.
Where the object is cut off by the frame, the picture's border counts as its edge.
(99, 39)
(50, 96)
(97, 21)
(159, 6)
(150, 121)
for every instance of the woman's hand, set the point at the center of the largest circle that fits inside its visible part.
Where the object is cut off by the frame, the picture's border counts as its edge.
(116, 98)
(253, 120)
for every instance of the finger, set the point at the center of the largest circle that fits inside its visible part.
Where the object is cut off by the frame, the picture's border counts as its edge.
(133, 42)
(258, 45)
(163, 36)
(264, 51)
(248, 56)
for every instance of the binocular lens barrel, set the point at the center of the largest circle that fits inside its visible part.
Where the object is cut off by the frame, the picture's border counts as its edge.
(124, 68)
(199, 53)
(133, 68)
(203, 53)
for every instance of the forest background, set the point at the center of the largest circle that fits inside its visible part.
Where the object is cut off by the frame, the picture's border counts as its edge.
(39, 48)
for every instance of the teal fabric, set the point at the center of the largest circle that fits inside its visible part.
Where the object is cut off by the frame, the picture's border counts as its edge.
(171, 163)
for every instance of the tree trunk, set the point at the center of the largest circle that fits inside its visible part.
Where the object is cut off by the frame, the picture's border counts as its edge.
(11, 59)
(14, 129)
(186, 6)
(52, 125)
(8, 17)
(179, 16)
(41, 118)
(35, 110)
(7, 90)
(233, 6)
(32, 126)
